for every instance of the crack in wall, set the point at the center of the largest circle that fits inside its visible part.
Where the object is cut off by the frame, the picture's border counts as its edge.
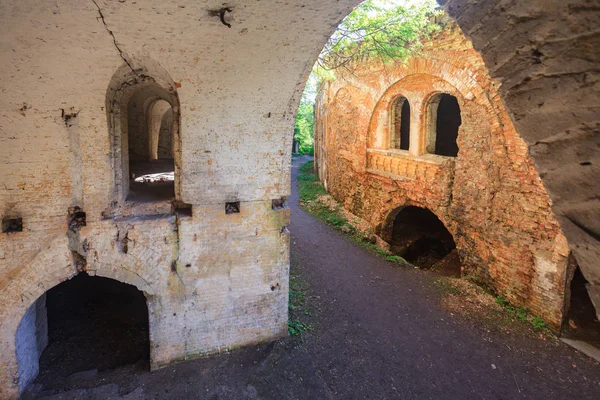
(175, 262)
(112, 35)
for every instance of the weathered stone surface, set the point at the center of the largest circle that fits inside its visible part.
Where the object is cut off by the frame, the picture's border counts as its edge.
(545, 55)
(490, 196)
(238, 89)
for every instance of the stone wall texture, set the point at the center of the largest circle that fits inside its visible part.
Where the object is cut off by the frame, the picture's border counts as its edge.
(544, 54)
(490, 197)
(213, 281)
(238, 89)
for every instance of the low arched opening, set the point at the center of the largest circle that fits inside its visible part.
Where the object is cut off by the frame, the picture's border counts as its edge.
(86, 323)
(421, 238)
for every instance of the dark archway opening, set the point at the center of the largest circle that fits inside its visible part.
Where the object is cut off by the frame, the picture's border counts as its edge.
(448, 120)
(401, 125)
(94, 323)
(422, 239)
(581, 323)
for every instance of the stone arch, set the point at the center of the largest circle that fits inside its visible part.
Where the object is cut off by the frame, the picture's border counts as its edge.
(98, 309)
(52, 266)
(152, 83)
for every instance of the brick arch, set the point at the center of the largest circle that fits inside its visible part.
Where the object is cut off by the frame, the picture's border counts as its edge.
(385, 224)
(379, 123)
(49, 268)
(463, 82)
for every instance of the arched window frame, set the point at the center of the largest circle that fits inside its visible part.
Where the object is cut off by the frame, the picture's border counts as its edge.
(395, 123)
(124, 83)
(430, 126)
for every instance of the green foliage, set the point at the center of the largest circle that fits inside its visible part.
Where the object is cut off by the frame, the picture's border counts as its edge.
(297, 306)
(383, 29)
(310, 188)
(308, 169)
(537, 323)
(501, 301)
(521, 314)
(388, 30)
(396, 259)
(296, 328)
(303, 131)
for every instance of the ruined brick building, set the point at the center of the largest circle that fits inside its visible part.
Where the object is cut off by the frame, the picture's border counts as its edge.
(149, 142)
(425, 152)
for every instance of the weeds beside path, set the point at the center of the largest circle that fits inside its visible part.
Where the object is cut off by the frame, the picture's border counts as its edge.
(458, 295)
(315, 200)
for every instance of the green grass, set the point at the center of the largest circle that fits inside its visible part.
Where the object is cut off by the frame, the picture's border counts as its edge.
(446, 287)
(297, 306)
(521, 314)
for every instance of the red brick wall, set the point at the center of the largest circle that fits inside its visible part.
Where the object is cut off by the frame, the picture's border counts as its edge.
(490, 197)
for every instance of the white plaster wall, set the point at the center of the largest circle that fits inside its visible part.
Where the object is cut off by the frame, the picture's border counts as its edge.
(238, 89)
(165, 137)
(31, 340)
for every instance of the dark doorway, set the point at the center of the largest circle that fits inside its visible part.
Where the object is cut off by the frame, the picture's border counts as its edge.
(401, 135)
(422, 239)
(94, 323)
(448, 120)
(581, 322)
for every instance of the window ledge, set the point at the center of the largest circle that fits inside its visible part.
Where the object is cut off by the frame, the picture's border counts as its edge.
(427, 158)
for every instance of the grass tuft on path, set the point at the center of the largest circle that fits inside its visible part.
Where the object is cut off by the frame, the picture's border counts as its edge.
(300, 315)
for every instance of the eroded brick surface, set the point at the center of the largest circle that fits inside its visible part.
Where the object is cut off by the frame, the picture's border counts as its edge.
(490, 196)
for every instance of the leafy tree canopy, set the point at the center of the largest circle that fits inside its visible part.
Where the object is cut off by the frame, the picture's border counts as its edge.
(384, 29)
(388, 30)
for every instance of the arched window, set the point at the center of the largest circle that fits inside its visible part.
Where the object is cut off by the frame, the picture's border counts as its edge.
(444, 119)
(400, 133)
(152, 177)
(143, 118)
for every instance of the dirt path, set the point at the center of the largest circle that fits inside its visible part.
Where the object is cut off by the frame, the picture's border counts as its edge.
(380, 334)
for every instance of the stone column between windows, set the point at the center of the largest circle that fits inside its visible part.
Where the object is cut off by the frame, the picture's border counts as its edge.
(416, 147)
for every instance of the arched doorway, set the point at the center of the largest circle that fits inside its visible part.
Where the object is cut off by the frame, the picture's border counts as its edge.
(85, 323)
(143, 114)
(581, 321)
(422, 239)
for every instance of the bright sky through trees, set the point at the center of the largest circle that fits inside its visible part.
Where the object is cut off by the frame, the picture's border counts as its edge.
(387, 30)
